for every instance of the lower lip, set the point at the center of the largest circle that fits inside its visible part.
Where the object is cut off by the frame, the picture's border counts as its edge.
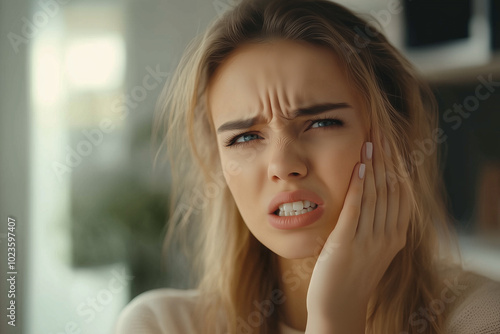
(293, 222)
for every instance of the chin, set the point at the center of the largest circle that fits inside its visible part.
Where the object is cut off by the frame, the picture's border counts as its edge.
(295, 245)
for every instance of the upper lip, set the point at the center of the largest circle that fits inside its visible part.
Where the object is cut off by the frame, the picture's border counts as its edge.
(293, 196)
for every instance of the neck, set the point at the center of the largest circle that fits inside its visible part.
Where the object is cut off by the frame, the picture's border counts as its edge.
(295, 275)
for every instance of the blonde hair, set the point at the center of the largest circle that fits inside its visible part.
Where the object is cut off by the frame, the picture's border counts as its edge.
(235, 270)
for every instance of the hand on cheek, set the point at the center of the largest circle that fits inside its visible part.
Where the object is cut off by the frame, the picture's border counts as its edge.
(370, 231)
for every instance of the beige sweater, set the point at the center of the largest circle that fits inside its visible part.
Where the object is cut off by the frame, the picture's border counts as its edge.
(471, 301)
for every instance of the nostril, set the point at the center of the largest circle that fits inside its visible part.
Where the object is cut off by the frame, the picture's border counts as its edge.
(284, 167)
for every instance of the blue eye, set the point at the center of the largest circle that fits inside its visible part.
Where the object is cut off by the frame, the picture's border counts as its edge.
(242, 139)
(246, 138)
(326, 123)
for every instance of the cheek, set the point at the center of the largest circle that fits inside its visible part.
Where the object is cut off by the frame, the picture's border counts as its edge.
(244, 180)
(231, 169)
(334, 165)
(336, 170)
(237, 163)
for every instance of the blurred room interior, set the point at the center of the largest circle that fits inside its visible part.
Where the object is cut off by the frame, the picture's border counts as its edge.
(80, 81)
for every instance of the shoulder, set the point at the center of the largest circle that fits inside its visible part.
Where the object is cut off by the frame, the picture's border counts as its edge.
(475, 303)
(161, 311)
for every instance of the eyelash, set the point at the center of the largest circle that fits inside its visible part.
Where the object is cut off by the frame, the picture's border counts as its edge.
(231, 142)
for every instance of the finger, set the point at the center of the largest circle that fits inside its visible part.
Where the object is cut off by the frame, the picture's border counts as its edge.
(349, 216)
(393, 192)
(380, 219)
(365, 226)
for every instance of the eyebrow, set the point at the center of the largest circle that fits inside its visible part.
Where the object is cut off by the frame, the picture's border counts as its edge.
(307, 111)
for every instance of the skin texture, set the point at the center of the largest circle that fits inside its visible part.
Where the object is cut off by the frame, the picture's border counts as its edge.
(280, 153)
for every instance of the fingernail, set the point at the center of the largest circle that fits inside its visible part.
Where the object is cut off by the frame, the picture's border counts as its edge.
(361, 171)
(369, 150)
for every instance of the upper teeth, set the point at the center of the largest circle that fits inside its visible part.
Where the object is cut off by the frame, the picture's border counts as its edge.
(296, 208)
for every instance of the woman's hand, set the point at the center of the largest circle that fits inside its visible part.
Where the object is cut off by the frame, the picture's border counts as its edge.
(370, 231)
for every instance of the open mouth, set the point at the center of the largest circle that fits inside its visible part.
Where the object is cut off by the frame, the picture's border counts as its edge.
(295, 208)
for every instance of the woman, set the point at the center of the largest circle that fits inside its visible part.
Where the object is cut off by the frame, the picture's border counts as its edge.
(294, 130)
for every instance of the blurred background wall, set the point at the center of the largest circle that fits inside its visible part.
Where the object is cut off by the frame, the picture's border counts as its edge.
(79, 84)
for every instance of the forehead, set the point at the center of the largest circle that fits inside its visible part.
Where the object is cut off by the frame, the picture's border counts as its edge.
(276, 77)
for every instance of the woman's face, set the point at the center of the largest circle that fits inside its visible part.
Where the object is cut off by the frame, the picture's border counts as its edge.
(289, 128)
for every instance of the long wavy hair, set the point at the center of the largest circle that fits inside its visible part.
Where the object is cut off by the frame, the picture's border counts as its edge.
(233, 268)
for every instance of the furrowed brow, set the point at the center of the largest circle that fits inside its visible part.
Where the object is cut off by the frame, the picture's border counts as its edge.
(307, 111)
(238, 125)
(319, 108)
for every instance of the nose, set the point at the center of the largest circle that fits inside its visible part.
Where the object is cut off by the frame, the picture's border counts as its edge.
(287, 163)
